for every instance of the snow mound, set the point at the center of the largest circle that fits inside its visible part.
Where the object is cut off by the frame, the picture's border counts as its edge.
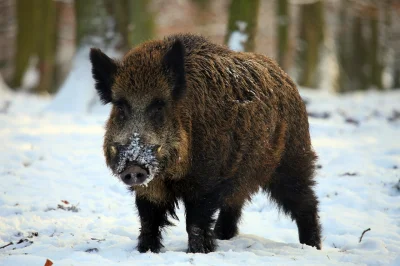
(58, 200)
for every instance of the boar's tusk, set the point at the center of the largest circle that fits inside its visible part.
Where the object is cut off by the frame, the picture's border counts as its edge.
(113, 150)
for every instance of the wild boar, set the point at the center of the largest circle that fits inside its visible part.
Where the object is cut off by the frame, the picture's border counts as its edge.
(193, 121)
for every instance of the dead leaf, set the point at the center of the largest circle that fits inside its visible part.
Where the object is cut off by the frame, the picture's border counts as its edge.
(48, 262)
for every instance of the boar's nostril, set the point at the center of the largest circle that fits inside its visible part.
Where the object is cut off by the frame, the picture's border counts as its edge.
(134, 175)
(127, 178)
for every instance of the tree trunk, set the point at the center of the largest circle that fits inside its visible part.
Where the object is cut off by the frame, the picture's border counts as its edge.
(91, 23)
(242, 25)
(65, 47)
(7, 38)
(392, 26)
(375, 52)
(47, 46)
(27, 36)
(283, 22)
(36, 38)
(120, 13)
(311, 40)
(342, 44)
(359, 62)
(360, 51)
(134, 21)
(141, 22)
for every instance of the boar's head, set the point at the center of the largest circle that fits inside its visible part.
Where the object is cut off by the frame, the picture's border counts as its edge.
(144, 136)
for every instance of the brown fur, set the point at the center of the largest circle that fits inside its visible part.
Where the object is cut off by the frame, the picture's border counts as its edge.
(240, 125)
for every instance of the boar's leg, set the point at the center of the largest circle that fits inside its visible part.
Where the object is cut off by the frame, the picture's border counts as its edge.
(293, 193)
(227, 223)
(199, 218)
(153, 217)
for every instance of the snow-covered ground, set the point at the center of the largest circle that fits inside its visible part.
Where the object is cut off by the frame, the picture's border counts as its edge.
(59, 202)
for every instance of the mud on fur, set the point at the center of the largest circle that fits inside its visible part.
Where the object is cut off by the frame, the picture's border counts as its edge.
(220, 125)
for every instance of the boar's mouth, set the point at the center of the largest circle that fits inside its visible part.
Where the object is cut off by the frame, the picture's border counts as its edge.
(137, 164)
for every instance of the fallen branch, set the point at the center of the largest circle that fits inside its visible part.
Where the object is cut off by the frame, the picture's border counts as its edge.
(366, 230)
(96, 239)
(9, 244)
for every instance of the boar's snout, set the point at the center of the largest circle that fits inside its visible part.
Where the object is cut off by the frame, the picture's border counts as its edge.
(135, 162)
(134, 175)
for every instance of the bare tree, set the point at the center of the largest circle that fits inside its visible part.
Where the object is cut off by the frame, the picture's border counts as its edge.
(36, 39)
(311, 37)
(91, 22)
(7, 38)
(134, 21)
(26, 42)
(283, 22)
(395, 40)
(362, 44)
(46, 46)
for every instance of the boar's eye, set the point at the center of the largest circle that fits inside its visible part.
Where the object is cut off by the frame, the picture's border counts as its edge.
(156, 111)
(121, 109)
(121, 113)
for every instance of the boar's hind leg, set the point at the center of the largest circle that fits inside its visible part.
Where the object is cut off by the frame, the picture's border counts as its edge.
(227, 223)
(293, 191)
(199, 218)
(153, 217)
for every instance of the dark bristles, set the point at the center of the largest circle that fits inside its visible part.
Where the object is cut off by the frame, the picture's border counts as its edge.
(174, 62)
(103, 71)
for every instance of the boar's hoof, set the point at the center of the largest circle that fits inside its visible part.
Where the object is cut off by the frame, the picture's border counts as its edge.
(202, 243)
(148, 242)
(310, 235)
(225, 233)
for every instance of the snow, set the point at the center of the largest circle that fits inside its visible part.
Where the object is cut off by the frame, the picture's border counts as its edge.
(54, 182)
(238, 38)
(31, 76)
(142, 154)
(77, 95)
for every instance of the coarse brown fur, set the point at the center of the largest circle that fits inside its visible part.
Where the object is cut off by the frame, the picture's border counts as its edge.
(235, 124)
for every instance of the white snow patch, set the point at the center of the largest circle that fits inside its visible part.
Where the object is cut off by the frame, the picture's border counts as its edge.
(31, 76)
(3, 86)
(238, 38)
(51, 157)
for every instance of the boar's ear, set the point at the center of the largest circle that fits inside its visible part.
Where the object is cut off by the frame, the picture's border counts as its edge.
(174, 63)
(103, 71)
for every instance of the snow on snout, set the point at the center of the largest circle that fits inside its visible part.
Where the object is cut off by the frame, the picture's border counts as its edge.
(142, 154)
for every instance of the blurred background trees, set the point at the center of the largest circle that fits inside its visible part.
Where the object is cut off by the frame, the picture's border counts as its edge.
(242, 24)
(342, 45)
(310, 42)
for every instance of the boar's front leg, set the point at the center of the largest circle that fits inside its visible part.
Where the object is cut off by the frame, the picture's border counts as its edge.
(199, 218)
(153, 217)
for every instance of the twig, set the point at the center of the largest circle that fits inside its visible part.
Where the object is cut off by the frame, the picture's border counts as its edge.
(98, 240)
(366, 230)
(53, 233)
(9, 244)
